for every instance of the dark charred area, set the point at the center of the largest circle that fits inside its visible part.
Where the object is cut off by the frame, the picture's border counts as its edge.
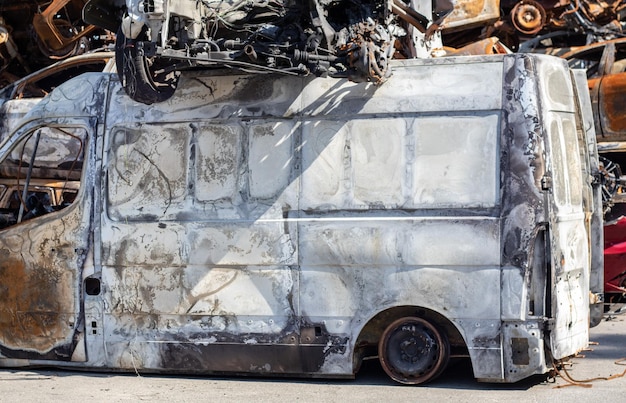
(286, 353)
(31, 312)
(248, 359)
(40, 33)
(522, 201)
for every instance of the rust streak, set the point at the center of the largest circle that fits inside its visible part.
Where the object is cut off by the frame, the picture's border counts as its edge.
(30, 307)
(470, 8)
(613, 99)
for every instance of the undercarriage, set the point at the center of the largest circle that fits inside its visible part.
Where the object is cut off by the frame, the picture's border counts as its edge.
(353, 39)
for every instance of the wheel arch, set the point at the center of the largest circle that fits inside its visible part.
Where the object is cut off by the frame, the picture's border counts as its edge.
(370, 334)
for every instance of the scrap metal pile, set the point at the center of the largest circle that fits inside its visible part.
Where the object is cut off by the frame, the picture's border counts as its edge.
(345, 38)
(354, 39)
(158, 38)
(564, 22)
(37, 33)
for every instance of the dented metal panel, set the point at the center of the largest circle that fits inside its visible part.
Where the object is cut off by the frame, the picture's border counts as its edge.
(280, 224)
(570, 247)
(593, 203)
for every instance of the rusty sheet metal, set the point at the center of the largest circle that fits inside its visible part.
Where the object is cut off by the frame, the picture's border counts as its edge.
(612, 104)
(40, 299)
(43, 258)
(42, 32)
(56, 33)
(470, 13)
(488, 46)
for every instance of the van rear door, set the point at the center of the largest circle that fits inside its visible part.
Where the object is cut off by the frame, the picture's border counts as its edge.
(569, 247)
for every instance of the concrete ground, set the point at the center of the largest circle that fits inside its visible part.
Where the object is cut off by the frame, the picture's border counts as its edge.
(596, 370)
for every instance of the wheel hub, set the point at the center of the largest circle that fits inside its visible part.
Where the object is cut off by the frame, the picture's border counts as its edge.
(415, 347)
(528, 17)
(413, 351)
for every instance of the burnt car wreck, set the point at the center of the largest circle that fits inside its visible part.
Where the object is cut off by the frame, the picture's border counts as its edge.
(354, 39)
(525, 24)
(340, 38)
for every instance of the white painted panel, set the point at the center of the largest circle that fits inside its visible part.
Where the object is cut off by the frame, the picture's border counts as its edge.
(270, 160)
(456, 161)
(445, 241)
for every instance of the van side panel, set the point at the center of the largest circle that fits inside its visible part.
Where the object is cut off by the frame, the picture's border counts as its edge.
(246, 239)
(195, 247)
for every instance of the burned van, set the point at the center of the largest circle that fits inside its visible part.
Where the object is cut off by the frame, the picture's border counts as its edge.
(286, 225)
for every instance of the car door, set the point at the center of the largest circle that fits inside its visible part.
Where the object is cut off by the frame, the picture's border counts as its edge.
(44, 247)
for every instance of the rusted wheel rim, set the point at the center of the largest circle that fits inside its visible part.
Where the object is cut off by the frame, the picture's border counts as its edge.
(528, 17)
(413, 351)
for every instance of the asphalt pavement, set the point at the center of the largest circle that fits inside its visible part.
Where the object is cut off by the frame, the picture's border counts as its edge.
(594, 376)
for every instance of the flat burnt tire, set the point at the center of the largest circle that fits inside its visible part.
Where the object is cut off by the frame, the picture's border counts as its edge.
(413, 351)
